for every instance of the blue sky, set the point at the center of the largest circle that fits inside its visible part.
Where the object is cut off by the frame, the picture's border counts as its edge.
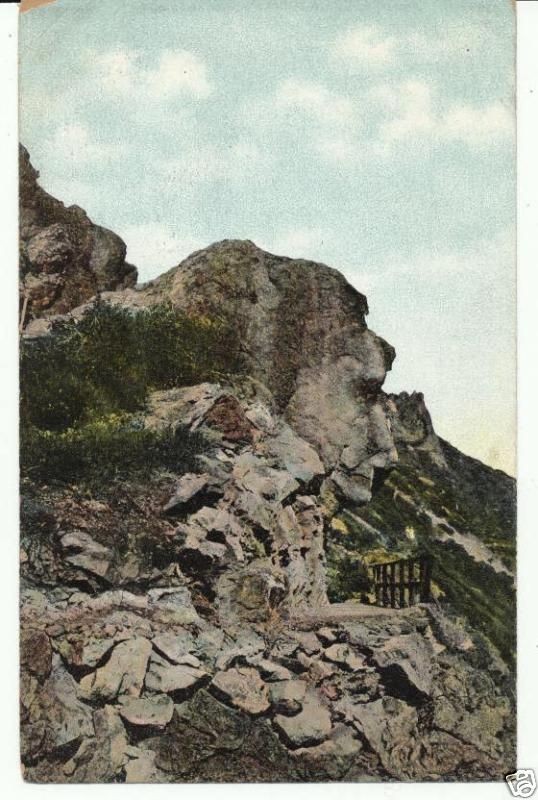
(374, 136)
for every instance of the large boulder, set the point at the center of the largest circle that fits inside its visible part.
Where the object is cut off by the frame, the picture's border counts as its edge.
(303, 335)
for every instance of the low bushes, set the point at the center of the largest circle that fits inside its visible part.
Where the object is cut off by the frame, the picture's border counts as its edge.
(81, 386)
(104, 450)
(112, 358)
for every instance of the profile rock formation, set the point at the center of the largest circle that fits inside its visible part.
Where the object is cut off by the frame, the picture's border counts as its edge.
(179, 628)
(303, 335)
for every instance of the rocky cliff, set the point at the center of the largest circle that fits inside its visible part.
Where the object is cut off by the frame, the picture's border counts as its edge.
(182, 617)
(64, 258)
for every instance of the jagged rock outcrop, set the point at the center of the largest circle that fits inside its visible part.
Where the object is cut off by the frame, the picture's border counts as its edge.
(248, 527)
(303, 335)
(64, 258)
(211, 652)
(178, 628)
(412, 426)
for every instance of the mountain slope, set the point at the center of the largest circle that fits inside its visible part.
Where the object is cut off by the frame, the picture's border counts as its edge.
(207, 461)
(440, 501)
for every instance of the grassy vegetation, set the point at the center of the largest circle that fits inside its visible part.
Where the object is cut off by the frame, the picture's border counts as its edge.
(472, 589)
(106, 449)
(82, 386)
(109, 361)
(347, 575)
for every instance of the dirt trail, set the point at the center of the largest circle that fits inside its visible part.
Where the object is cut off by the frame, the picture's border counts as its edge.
(350, 611)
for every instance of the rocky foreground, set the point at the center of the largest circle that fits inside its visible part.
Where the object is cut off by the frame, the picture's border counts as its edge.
(219, 657)
(139, 688)
(180, 629)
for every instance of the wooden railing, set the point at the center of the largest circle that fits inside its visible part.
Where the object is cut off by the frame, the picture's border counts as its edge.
(402, 583)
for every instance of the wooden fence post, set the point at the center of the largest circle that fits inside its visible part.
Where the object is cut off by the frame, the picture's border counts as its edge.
(377, 573)
(401, 566)
(425, 589)
(385, 585)
(393, 578)
(392, 569)
(411, 578)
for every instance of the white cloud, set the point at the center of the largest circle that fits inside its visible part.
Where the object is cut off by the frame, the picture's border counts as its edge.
(317, 102)
(242, 160)
(489, 260)
(339, 148)
(408, 108)
(478, 126)
(413, 110)
(316, 117)
(74, 145)
(365, 46)
(399, 113)
(178, 73)
(117, 71)
(153, 248)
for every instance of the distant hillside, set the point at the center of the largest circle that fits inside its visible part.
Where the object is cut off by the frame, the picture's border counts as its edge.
(439, 501)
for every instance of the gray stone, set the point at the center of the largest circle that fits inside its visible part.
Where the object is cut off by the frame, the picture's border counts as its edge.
(55, 711)
(389, 726)
(172, 605)
(174, 646)
(122, 674)
(320, 670)
(96, 650)
(287, 696)
(410, 653)
(294, 455)
(153, 711)
(243, 688)
(187, 406)
(111, 755)
(311, 726)
(188, 486)
(326, 636)
(261, 417)
(255, 509)
(173, 678)
(82, 551)
(307, 640)
(344, 656)
(102, 758)
(60, 243)
(253, 474)
(251, 594)
(141, 767)
(209, 643)
(333, 758)
(269, 670)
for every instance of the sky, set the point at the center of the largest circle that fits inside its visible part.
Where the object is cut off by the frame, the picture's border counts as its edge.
(374, 136)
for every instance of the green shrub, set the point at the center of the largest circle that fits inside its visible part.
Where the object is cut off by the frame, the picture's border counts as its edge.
(109, 361)
(347, 574)
(107, 449)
